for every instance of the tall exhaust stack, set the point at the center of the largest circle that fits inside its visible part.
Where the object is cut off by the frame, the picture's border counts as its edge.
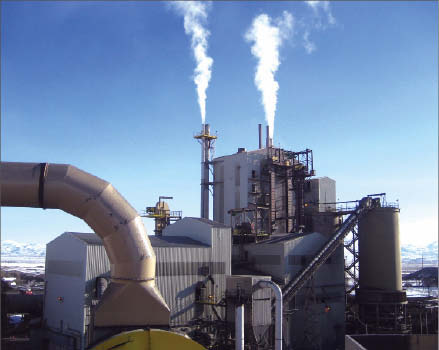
(260, 135)
(206, 140)
(268, 140)
(205, 173)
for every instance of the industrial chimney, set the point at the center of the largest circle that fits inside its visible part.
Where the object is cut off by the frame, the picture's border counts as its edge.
(268, 140)
(260, 135)
(206, 140)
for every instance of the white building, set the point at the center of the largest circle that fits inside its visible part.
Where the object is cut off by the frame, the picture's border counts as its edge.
(232, 178)
(258, 186)
(73, 262)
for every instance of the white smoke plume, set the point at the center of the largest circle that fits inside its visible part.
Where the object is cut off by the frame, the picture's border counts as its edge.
(195, 17)
(309, 46)
(267, 37)
(325, 7)
(322, 18)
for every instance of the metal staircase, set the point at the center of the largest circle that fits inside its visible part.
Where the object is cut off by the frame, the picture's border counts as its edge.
(290, 290)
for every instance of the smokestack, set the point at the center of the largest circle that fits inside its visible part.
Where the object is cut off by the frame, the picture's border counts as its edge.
(205, 171)
(260, 135)
(268, 140)
(207, 141)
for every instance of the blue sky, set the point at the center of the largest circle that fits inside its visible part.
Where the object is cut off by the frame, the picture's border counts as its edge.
(107, 87)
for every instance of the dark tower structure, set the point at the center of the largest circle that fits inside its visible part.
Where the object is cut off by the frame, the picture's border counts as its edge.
(207, 142)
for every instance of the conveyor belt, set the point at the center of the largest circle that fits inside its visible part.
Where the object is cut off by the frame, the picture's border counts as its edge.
(290, 290)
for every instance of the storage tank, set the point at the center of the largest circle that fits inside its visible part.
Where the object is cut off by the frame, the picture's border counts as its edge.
(379, 250)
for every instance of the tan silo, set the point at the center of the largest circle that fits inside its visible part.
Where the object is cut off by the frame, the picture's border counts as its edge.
(379, 249)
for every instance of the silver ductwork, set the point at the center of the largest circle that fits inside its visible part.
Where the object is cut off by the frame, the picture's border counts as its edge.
(132, 298)
(278, 311)
(239, 327)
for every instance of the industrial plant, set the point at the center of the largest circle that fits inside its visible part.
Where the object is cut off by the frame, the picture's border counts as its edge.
(266, 271)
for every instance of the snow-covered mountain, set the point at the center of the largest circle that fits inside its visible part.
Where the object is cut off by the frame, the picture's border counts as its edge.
(12, 248)
(415, 254)
(409, 253)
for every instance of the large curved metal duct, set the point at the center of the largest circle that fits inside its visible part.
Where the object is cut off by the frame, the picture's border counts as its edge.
(132, 298)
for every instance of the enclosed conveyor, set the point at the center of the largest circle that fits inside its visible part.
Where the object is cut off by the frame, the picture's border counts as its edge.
(290, 290)
(132, 298)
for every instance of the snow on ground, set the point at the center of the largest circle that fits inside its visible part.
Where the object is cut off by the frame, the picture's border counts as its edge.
(25, 264)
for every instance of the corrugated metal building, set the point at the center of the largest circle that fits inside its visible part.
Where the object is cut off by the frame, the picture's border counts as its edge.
(191, 253)
(180, 270)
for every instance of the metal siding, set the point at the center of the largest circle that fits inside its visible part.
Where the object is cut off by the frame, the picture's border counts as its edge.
(175, 268)
(97, 261)
(178, 290)
(221, 194)
(266, 259)
(192, 228)
(71, 288)
(229, 163)
(222, 247)
(65, 267)
(275, 249)
(222, 251)
(262, 308)
(238, 175)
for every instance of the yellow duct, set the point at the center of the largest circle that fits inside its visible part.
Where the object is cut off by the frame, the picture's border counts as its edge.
(132, 297)
(154, 339)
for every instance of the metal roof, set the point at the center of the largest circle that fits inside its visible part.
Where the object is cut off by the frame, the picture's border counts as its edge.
(89, 238)
(282, 238)
(262, 151)
(156, 241)
(176, 241)
(209, 222)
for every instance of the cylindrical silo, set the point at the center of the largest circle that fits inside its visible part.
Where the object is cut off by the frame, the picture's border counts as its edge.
(379, 249)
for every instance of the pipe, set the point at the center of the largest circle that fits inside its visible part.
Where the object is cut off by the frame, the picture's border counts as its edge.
(239, 327)
(278, 311)
(260, 135)
(132, 297)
